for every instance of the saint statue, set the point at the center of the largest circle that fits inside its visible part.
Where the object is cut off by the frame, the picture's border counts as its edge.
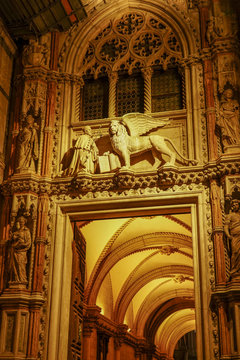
(20, 244)
(27, 146)
(85, 154)
(232, 231)
(229, 119)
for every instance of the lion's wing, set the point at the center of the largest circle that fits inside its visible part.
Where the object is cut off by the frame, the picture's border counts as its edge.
(139, 124)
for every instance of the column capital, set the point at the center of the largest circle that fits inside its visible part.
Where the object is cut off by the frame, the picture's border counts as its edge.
(147, 71)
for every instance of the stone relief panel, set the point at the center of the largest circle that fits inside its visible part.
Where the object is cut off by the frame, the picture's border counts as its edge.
(124, 144)
(221, 25)
(34, 98)
(227, 67)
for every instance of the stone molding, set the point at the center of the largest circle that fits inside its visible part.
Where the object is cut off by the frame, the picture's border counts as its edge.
(124, 180)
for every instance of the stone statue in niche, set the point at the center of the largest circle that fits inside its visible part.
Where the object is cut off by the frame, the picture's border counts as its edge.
(129, 145)
(36, 53)
(27, 146)
(83, 157)
(232, 231)
(228, 120)
(20, 244)
(220, 26)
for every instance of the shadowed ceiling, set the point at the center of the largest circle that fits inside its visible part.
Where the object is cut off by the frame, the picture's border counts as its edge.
(28, 18)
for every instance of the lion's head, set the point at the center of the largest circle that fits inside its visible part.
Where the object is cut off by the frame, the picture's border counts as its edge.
(116, 128)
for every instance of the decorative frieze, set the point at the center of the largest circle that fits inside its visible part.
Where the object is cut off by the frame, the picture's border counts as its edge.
(166, 177)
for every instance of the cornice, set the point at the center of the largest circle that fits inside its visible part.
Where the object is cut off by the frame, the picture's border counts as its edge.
(21, 297)
(114, 184)
(43, 74)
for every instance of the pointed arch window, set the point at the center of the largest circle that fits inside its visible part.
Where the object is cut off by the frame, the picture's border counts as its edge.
(126, 60)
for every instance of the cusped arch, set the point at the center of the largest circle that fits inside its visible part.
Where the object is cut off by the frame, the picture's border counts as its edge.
(77, 41)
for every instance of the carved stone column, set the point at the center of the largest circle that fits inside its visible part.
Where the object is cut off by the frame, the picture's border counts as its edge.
(224, 336)
(50, 110)
(41, 237)
(90, 333)
(113, 77)
(77, 100)
(218, 233)
(208, 84)
(117, 347)
(220, 268)
(210, 109)
(147, 75)
(18, 93)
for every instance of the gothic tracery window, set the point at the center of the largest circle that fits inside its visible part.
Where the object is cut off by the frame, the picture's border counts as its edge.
(132, 47)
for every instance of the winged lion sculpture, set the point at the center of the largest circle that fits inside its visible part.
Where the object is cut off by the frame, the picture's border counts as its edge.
(126, 145)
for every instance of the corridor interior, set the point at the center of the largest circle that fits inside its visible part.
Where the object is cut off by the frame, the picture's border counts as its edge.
(139, 271)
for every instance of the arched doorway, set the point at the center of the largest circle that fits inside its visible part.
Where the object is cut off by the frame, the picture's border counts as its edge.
(139, 278)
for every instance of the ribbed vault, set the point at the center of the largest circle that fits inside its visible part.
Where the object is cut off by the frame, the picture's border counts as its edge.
(142, 275)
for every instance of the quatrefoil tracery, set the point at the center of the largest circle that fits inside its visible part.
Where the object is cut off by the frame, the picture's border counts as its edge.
(133, 40)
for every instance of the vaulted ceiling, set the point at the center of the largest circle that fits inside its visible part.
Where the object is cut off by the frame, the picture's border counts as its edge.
(140, 272)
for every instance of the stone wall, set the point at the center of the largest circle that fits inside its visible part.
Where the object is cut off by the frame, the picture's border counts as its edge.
(7, 51)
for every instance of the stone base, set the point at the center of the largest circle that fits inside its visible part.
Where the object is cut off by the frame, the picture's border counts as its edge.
(235, 281)
(17, 285)
(232, 149)
(24, 171)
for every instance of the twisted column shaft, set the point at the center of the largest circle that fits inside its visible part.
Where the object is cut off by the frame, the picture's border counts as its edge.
(112, 94)
(147, 75)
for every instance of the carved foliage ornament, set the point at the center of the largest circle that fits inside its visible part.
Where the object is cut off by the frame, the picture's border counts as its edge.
(144, 39)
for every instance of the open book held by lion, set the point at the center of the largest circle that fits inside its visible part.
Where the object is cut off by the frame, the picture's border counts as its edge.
(138, 124)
